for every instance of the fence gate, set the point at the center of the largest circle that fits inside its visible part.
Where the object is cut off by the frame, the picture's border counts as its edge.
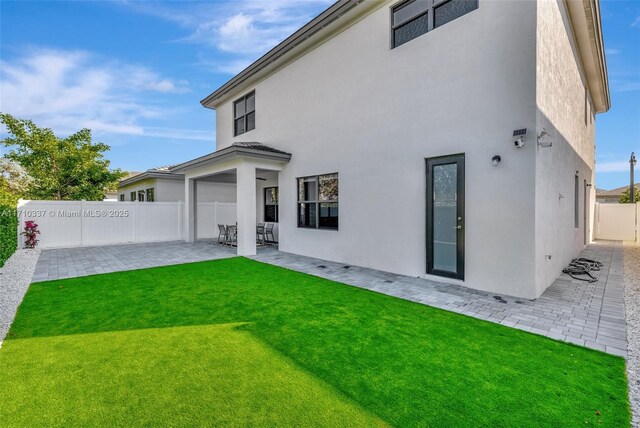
(617, 222)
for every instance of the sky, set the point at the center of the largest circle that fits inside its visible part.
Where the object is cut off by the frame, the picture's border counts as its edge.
(135, 71)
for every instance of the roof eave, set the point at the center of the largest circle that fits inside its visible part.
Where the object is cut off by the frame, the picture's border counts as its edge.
(228, 153)
(147, 175)
(587, 26)
(329, 15)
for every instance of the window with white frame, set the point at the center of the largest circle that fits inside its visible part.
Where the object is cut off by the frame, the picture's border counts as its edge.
(141, 195)
(318, 202)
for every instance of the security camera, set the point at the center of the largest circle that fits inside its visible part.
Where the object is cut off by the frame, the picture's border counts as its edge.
(545, 144)
(519, 143)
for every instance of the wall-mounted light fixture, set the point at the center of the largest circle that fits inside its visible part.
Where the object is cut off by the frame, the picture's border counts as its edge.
(541, 139)
(495, 161)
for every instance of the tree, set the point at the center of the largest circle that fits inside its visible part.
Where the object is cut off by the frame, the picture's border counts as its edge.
(68, 168)
(14, 182)
(625, 197)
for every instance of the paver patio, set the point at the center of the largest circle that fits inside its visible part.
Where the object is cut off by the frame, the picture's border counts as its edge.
(585, 314)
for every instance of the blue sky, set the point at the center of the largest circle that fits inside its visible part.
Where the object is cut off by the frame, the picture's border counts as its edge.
(134, 72)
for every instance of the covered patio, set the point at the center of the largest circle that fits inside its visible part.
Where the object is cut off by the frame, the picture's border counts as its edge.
(252, 167)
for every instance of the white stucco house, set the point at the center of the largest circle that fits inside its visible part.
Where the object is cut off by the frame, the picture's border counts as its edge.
(451, 140)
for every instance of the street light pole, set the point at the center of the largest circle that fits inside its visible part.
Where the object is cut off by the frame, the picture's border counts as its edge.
(632, 192)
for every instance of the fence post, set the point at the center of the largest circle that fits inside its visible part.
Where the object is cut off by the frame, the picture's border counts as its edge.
(82, 222)
(180, 225)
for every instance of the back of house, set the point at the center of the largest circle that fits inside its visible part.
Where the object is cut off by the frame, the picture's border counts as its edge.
(447, 139)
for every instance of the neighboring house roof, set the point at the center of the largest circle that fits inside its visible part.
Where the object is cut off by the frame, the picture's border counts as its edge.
(250, 149)
(618, 191)
(600, 191)
(584, 16)
(158, 172)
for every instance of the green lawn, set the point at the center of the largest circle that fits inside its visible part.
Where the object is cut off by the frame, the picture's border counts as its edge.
(239, 343)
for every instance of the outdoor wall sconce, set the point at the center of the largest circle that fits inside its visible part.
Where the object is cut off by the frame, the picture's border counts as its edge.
(541, 142)
(495, 161)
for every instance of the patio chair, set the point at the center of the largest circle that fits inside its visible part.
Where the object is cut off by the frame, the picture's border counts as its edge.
(223, 235)
(232, 232)
(260, 234)
(268, 232)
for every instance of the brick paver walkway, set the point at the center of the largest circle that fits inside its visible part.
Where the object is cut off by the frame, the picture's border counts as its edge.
(590, 315)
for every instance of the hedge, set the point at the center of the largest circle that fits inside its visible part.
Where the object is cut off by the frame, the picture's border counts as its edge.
(8, 229)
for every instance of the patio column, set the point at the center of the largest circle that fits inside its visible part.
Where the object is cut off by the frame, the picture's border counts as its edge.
(190, 209)
(246, 206)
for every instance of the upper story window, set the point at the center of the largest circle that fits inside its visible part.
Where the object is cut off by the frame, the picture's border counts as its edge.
(244, 114)
(318, 202)
(413, 18)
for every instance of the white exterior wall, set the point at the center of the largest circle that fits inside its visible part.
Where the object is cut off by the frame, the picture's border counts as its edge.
(373, 115)
(561, 110)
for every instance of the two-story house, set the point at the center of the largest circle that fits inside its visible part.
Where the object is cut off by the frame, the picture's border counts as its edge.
(446, 139)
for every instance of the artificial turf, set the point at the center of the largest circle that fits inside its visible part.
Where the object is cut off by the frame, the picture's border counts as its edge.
(239, 343)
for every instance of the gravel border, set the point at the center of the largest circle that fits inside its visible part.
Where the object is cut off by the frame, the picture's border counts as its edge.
(15, 277)
(632, 310)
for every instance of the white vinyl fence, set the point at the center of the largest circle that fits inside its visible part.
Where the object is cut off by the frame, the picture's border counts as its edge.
(616, 221)
(84, 223)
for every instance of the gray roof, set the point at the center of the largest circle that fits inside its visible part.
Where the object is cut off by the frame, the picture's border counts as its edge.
(617, 191)
(251, 149)
(157, 172)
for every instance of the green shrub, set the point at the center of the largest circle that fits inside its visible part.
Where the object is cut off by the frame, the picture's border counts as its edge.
(8, 232)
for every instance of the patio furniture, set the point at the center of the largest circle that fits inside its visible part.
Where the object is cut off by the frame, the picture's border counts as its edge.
(260, 234)
(232, 232)
(268, 232)
(223, 235)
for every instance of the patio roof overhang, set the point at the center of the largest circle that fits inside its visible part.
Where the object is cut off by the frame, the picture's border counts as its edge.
(250, 150)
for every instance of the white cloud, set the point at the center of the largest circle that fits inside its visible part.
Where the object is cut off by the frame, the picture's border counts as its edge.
(618, 166)
(636, 22)
(612, 51)
(242, 29)
(69, 90)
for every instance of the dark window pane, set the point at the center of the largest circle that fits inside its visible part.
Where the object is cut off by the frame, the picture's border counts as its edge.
(240, 126)
(453, 9)
(329, 215)
(270, 213)
(133, 196)
(328, 187)
(251, 102)
(406, 11)
(151, 195)
(410, 30)
(141, 195)
(239, 108)
(307, 215)
(251, 121)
